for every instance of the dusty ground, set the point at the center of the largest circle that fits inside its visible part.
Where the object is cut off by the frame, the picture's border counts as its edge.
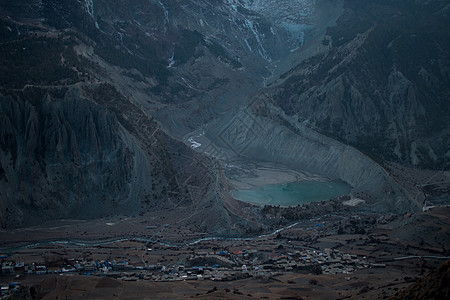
(392, 241)
(406, 247)
(246, 175)
(289, 286)
(429, 186)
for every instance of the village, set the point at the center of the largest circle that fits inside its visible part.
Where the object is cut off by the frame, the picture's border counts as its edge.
(341, 249)
(213, 265)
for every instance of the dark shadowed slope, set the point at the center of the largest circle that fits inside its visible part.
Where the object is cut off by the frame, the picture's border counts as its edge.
(74, 145)
(381, 82)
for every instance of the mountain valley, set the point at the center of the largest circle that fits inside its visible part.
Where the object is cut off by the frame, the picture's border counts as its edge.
(131, 125)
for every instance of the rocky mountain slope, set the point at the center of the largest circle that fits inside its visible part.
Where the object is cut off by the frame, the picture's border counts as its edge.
(263, 132)
(74, 144)
(96, 97)
(433, 286)
(81, 82)
(380, 82)
(217, 51)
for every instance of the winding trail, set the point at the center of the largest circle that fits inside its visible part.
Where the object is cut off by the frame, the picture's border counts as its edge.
(95, 243)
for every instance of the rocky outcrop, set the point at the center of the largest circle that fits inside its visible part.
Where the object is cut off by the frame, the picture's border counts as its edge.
(62, 157)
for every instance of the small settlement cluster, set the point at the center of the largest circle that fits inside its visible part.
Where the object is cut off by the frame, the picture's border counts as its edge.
(214, 265)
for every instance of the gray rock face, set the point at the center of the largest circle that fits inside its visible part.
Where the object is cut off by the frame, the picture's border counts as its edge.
(263, 132)
(380, 85)
(73, 154)
(255, 31)
(76, 137)
(61, 157)
(292, 17)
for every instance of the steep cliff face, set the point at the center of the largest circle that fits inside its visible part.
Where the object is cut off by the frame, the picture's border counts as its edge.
(202, 55)
(61, 156)
(74, 142)
(382, 84)
(81, 153)
(254, 31)
(217, 51)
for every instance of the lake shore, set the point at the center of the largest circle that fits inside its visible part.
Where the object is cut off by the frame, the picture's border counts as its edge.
(249, 176)
(266, 183)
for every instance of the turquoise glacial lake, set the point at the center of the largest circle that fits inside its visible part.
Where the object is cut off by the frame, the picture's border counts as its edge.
(293, 193)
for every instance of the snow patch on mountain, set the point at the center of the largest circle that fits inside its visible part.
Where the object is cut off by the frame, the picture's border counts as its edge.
(88, 6)
(233, 4)
(291, 16)
(166, 12)
(255, 32)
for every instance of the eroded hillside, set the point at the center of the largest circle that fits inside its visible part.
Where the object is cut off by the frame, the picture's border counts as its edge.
(382, 84)
(113, 107)
(74, 145)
